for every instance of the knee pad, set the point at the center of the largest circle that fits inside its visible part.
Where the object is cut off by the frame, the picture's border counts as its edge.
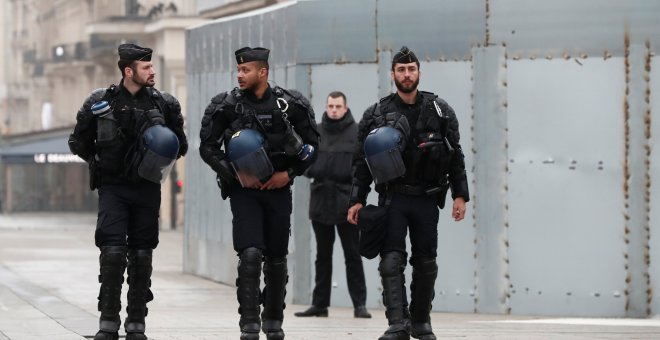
(250, 262)
(392, 264)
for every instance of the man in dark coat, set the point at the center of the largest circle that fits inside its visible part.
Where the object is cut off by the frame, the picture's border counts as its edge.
(330, 190)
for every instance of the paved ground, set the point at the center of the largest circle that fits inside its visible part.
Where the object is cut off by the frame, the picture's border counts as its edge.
(48, 289)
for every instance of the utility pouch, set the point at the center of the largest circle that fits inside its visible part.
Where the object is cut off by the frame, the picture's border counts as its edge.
(441, 195)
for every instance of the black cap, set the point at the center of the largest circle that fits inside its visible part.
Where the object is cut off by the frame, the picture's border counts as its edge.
(134, 52)
(247, 54)
(404, 56)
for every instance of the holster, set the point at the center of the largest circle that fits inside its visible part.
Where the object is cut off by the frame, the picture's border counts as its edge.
(372, 222)
(225, 187)
(94, 175)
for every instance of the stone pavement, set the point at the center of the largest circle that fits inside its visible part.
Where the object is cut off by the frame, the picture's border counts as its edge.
(48, 289)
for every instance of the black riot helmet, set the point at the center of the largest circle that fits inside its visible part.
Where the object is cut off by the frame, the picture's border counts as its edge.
(383, 148)
(160, 148)
(248, 157)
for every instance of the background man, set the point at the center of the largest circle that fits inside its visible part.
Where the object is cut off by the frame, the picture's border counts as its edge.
(330, 189)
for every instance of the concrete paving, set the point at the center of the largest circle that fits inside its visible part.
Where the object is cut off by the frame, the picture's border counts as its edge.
(48, 290)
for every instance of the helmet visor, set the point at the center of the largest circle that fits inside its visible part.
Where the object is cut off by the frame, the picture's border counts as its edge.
(253, 168)
(386, 166)
(155, 167)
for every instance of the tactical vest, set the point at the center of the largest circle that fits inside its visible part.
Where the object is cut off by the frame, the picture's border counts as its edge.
(428, 153)
(118, 136)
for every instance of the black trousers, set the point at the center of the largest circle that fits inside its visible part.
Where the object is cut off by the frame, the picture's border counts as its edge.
(417, 213)
(262, 219)
(128, 215)
(325, 239)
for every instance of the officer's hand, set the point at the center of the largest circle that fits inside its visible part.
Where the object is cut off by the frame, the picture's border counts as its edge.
(278, 180)
(458, 210)
(353, 213)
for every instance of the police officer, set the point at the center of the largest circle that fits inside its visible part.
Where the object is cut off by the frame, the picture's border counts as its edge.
(130, 135)
(269, 136)
(330, 189)
(433, 161)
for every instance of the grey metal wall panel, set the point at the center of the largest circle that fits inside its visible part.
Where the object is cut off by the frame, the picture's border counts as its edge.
(654, 214)
(490, 179)
(543, 28)
(456, 263)
(434, 30)
(565, 187)
(327, 36)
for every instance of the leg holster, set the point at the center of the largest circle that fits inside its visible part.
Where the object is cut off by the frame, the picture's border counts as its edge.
(248, 290)
(276, 278)
(112, 265)
(391, 267)
(422, 292)
(139, 292)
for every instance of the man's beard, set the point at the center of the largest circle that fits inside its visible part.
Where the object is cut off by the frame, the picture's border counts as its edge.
(406, 89)
(143, 83)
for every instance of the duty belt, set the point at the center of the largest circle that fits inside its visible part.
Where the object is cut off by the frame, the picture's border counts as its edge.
(407, 189)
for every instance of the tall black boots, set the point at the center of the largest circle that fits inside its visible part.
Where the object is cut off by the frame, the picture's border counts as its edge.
(248, 292)
(391, 269)
(275, 277)
(139, 282)
(422, 292)
(112, 263)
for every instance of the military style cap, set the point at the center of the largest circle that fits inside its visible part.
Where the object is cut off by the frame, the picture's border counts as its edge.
(404, 56)
(247, 54)
(134, 52)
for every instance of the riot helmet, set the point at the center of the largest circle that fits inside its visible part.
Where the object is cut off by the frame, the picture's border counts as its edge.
(248, 157)
(160, 148)
(383, 148)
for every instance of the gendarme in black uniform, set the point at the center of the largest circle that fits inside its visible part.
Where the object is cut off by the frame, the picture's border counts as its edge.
(129, 205)
(412, 200)
(261, 218)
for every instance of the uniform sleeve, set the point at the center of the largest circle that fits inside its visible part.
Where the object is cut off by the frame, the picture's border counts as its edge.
(174, 121)
(81, 141)
(361, 175)
(304, 124)
(457, 175)
(214, 124)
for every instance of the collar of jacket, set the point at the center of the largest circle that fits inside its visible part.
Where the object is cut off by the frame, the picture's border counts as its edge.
(337, 125)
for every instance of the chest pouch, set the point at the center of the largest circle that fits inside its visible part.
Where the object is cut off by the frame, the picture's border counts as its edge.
(106, 124)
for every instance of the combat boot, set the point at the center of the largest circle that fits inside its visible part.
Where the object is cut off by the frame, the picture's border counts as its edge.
(139, 292)
(275, 277)
(248, 292)
(425, 271)
(391, 269)
(112, 263)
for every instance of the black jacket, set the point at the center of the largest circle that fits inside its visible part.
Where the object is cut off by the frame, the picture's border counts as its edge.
(422, 119)
(221, 119)
(114, 168)
(331, 172)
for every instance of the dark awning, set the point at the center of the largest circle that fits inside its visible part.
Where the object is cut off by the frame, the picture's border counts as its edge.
(38, 148)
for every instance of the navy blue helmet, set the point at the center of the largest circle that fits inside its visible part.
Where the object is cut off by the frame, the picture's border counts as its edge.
(160, 148)
(247, 155)
(383, 148)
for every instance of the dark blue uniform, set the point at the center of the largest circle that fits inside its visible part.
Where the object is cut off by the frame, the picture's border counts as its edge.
(261, 218)
(127, 225)
(412, 202)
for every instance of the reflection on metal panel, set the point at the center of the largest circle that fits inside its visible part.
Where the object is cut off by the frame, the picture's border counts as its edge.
(565, 187)
(553, 28)
(434, 30)
(349, 37)
(455, 284)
